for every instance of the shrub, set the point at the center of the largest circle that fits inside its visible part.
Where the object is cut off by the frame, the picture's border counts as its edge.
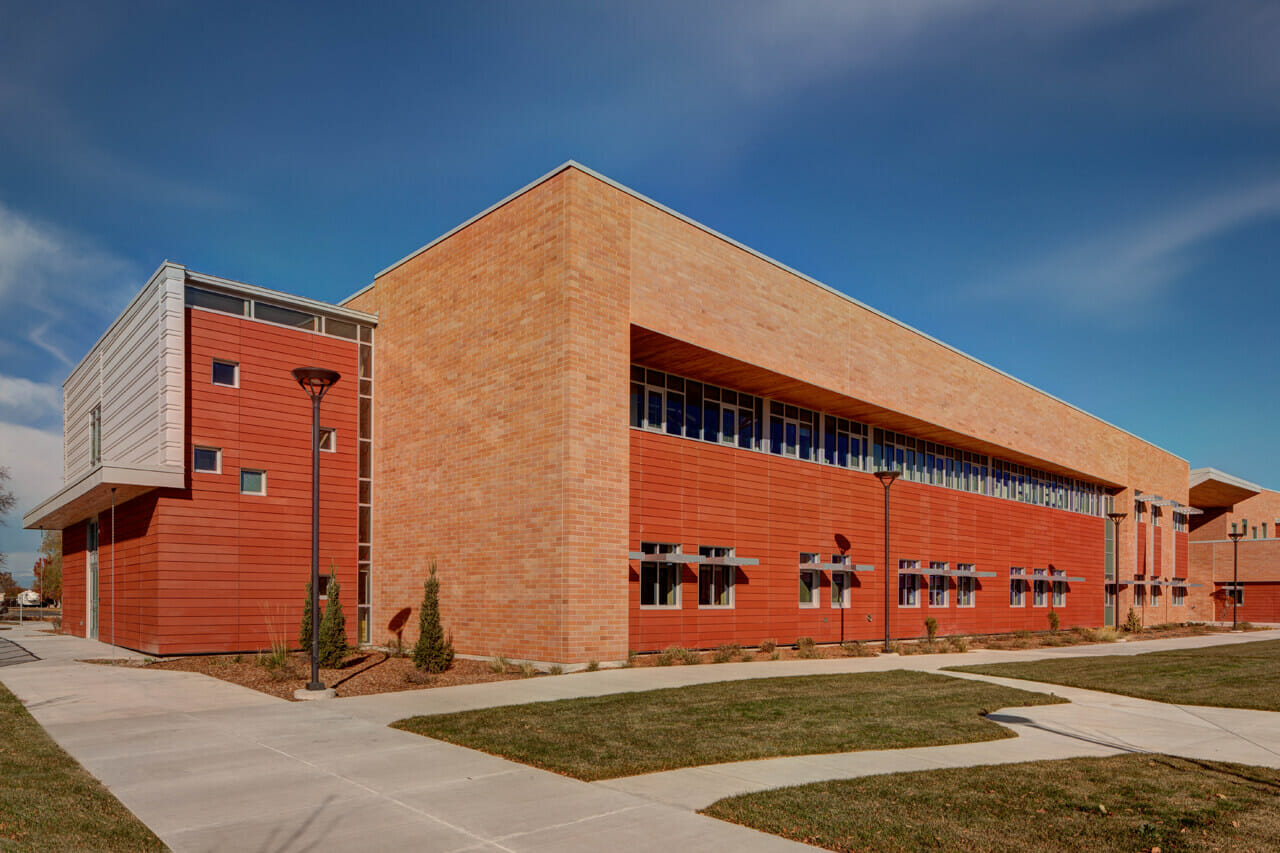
(432, 652)
(931, 628)
(689, 657)
(498, 664)
(333, 627)
(1054, 621)
(855, 649)
(725, 653)
(395, 648)
(1245, 626)
(959, 644)
(806, 648)
(775, 654)
(528, 670)
(768, 646)
(593, 666)
(748, 656)
(668, 656)
(1132, 624)
(417, 676)
(1105, 634)
(555, 669)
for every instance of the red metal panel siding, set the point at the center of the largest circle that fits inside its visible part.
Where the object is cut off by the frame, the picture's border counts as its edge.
(233, 568)
(1141, 567)
(700, 494)
(1157, 562)
(73, 578)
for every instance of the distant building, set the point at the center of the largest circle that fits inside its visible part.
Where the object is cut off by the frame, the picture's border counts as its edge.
(611, 428)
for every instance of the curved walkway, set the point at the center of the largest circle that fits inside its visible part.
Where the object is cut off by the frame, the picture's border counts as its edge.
(212, 766)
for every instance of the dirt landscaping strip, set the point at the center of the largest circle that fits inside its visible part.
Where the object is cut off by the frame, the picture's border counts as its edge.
(626, 734)
(1123, 804)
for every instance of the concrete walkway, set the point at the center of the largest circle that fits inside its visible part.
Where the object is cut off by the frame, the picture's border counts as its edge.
(211, 766)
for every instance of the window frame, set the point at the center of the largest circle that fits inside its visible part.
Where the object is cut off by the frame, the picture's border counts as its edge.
(1178, 595)
(1039, 588)
(717, 571)
(332, 434)
(814, 587)
(213, 374)
(260, 471)
(1017, 587)
(966, 587)
(95, 436)
(217, 459)
(846, 584)
(1057, 588)
(939, 586)
(658, 568)
(908, 584)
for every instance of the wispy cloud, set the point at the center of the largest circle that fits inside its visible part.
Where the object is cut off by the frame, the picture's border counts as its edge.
(34, 459)
(1130, 265)
(22, 399)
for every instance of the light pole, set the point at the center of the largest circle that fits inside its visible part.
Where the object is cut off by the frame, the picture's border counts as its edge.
(1235, 574)
(1116, 518)
(886, 479)
(315, 381)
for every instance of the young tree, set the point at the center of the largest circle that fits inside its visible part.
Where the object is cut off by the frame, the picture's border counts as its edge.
(7, 502)
(432, 652)
(8, 587)
(304, 629)
(48, 568)
(333, 628)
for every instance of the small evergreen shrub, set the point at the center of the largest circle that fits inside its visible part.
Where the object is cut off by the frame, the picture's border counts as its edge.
(1054, 621)
(1132, 624)
(304, 629)
(333, 628)
(433, 652)
(931, 628)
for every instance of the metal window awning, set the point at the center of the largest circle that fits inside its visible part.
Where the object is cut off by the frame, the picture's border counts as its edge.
(1174, 582)
(837, 567)
(693, 558)
(1144, 498)
(947, 573)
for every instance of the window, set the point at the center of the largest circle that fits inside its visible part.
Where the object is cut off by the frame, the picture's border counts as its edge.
(792, 431)
(908, 584)
(1059, 588)
(964, 586)
(215, 301)
(1235, 594)
(1039, 589)
(1155, 595)
(659, 582)
(938, 586)
(95, 435)
(715, 583)
(1179, 593)
(253, 482)
(1017, 588)
(809, 580)
(207, 460)
(1139, 593)
(226, 373)
(841, 581)
(328, 439)
(283, 316)
(323, 592)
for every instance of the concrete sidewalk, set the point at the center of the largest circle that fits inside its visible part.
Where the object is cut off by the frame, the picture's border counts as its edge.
(212, 766)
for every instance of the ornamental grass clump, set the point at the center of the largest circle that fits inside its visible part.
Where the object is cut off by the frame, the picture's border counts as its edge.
(433, 652)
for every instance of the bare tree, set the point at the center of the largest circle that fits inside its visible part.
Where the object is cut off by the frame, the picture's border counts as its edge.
(7, 502)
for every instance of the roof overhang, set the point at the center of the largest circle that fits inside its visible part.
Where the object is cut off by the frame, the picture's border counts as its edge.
(93, 493)
(1213, 488)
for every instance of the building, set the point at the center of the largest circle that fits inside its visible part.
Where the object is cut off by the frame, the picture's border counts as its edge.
(1246, 576)
(611, 428)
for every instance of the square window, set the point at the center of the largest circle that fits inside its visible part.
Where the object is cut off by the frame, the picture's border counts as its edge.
(328, 439)
(226, 373)
(207, 460)
(253, 482)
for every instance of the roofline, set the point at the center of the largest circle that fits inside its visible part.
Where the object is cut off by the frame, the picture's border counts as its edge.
(1200, 475)
(257, 292)
(573, 164)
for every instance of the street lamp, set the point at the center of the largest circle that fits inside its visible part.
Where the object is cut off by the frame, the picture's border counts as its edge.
(315, 381)
(1116, 518)
(886, 479)
(1235, 573)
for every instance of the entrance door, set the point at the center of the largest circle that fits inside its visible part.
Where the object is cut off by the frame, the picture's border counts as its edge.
(1109, 609)
(91, 581)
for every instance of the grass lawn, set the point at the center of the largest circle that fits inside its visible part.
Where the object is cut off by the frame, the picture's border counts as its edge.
(1150, 801)
(626, 734)
(1241, 675)
(49, 802)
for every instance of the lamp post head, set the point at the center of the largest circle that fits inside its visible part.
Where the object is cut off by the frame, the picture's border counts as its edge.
(887, 477)
(1117, 517)
(316, 380)
(1236, 535)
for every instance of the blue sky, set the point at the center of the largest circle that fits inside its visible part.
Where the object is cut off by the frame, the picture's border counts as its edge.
(1085, 194)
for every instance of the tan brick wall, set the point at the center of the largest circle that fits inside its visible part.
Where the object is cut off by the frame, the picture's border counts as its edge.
(501, 405)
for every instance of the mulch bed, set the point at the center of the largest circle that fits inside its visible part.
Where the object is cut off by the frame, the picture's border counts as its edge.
(362, 674)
